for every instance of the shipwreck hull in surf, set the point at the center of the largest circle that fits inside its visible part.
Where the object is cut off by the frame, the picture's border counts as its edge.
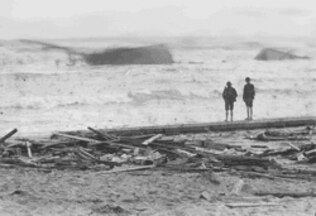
(158, 54)
(269, 54)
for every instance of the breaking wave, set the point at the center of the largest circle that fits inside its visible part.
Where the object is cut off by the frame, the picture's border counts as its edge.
(15, 53)
(287, 91)
(133, 98)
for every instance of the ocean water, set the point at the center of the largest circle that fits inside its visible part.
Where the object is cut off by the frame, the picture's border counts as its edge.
(44, 91)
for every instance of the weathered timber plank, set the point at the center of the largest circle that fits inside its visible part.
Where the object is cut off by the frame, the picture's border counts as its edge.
(8, 135)
(217, 126)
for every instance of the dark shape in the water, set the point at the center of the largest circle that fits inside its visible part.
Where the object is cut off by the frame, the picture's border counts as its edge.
(158, 54)
(269, 54)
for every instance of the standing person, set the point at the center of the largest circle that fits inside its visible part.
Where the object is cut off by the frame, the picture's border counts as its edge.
(229, 95)
(248, 97)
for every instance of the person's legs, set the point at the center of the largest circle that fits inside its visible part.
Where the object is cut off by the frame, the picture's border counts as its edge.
(226, 110)
(248, 103)
(250, 109)
(231, 111)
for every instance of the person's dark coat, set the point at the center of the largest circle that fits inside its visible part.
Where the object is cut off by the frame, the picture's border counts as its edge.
(229, 94)
(249, 92)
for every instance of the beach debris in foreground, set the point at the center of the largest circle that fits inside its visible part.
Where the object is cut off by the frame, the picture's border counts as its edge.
(113, 152)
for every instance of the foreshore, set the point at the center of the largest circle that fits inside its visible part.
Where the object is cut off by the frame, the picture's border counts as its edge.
(196, 186)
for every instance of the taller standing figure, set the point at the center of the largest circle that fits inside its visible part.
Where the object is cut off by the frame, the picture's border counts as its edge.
(248, 97)
(229, 95)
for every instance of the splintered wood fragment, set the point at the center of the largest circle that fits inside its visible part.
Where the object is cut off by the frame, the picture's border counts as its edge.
(294, 146)
(8, 135)
(28, 147)
(189, 170)
(102, 134)
(152, 139)
(127, 169)
(240, 205)
(78, 138)
(310, 152)
(53, 144)
(113, 144)
(82, 156)
(209, 151)
(205, 195)
(237, 160)
(237, 188)
(146, 136)
(286, 194)
(13, 145)
(85, 153)
(259, 146)
(186, 153)
(263, 175)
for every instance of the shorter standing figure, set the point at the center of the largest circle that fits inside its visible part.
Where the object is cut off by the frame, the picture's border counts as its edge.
(248, 97)
(229, 95)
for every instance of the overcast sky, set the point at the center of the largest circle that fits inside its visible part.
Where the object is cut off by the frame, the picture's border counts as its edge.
(101, 18)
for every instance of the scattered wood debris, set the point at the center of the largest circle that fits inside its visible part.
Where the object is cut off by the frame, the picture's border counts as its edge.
(104, 152)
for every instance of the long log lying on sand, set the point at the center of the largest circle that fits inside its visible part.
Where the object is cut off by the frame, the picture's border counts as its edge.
(216, 126)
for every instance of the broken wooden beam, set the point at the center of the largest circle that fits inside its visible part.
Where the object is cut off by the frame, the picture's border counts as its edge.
(28, 147)
(115, 144)
(244, 204)
(152, 139)
(294, 146)
(84, 139)
(103, 135)
(287, 194)
(8, 135)
(127, 169)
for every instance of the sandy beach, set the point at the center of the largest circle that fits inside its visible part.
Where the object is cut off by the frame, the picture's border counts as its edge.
(28, 191)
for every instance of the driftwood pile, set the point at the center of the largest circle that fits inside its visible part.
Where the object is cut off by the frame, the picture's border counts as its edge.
(110, 152)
